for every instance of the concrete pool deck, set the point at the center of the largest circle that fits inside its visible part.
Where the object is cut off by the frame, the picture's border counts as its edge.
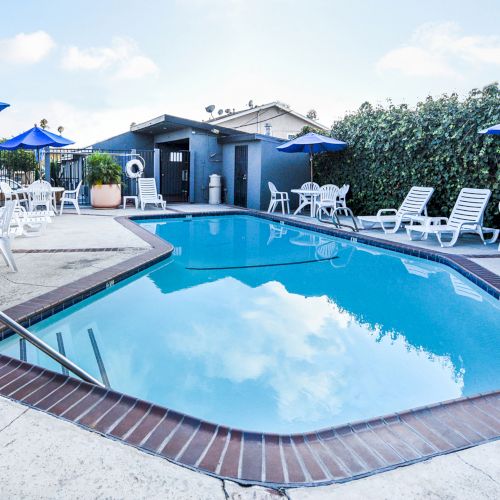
(61, 255)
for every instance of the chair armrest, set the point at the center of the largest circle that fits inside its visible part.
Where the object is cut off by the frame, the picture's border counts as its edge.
(383, 210)
(160, 197)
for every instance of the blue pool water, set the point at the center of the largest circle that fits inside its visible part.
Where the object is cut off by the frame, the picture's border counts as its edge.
(267, 327)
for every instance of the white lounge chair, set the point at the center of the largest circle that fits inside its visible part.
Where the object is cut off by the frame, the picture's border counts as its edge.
(466, 217)
(278, 197)
(71, 196)
(148, 193)
(26, 223)
(415, 203)
(6, 214)
(327, 201)
(305, 199)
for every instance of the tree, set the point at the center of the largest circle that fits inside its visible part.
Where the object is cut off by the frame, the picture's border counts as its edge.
(44, 123)
(312, 115)
(60, 129)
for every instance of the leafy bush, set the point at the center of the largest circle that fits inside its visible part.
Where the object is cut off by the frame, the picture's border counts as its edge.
(435, 144)
(103, 169)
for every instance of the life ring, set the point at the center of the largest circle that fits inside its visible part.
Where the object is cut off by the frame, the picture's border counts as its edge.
(134, 168)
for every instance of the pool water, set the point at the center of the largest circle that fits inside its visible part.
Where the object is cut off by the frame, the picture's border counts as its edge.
(263, 326)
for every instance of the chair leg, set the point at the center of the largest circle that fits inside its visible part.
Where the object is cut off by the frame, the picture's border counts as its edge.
(7, 253)
(77, 207)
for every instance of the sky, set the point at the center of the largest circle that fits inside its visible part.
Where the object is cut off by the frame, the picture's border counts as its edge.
(95, 67)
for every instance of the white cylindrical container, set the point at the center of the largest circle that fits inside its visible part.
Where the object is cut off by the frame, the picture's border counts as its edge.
(214, 189)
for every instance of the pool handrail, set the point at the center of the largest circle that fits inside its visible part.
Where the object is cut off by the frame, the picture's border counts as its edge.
(44, 347)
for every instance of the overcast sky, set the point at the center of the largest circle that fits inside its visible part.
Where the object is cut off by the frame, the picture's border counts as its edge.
(96, 66)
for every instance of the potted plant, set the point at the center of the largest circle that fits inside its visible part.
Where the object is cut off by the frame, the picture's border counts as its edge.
(105, 177)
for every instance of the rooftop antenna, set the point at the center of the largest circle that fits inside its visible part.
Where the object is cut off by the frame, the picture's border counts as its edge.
(250, 103)
(210, 109)
(220, 112)
(227, 111)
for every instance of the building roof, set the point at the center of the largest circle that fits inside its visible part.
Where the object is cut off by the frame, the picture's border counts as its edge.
(276, 104)
(170, 123)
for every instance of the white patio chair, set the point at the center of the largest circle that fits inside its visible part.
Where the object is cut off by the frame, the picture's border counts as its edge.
(414, 204)
(327, 201)
(71, 196)
(148, 193)
(306, 199)
(341, 197)
(466, 218)
(6, 214)
(276, 198)
(40, 195)
(9, 193)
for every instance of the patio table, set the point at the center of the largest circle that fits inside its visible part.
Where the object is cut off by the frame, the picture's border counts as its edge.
(53, 190)
(312, 194)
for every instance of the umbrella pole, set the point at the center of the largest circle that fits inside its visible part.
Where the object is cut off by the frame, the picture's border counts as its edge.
(311, 164)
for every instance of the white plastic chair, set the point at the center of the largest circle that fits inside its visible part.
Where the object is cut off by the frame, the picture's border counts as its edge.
(466, 217)
(148, 193)
(40, 195)
(327, 201)
(5, 219)
(341, 197)
(306, 199)
(276, 198)
(414, 204)
(9, 194)
(71, 196)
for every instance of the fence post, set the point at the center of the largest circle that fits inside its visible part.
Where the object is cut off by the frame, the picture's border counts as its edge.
(156, 167)
(47, 164)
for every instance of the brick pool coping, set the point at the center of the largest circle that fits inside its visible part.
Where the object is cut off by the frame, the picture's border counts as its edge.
(336, 454)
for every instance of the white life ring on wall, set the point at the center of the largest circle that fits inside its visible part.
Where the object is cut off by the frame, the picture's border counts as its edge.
(134, 168)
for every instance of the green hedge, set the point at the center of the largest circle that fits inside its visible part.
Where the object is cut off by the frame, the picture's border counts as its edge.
(435, 144)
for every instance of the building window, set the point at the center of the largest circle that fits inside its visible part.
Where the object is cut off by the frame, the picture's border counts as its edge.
(175, 155)
(268, 128)
(291, 136)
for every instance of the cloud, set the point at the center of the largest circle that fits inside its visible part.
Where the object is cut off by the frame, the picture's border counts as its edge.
(123, 58)
(83, 125)
(438, 50)
(26, 48)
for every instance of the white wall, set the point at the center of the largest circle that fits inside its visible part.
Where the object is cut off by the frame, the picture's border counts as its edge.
(282, 126)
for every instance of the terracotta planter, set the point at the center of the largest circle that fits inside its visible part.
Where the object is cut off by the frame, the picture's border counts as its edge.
(106, 196)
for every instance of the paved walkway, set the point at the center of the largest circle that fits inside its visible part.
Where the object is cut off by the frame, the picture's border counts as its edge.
(46, 457)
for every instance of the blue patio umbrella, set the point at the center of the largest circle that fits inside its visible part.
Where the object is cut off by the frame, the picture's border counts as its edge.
(312, 143)
(35, 138)
(3, 105)
(493, 130)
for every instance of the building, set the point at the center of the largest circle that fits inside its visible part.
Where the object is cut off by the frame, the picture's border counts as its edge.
(184, 153)
(275, 119)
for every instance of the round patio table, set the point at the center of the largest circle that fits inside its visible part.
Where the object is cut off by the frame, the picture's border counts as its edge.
(53, 190)
(310, 196)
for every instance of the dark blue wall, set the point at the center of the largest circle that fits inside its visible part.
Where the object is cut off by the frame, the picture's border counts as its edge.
(127, 140)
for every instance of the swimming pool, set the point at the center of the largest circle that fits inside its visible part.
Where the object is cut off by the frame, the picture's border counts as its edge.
(267, 327)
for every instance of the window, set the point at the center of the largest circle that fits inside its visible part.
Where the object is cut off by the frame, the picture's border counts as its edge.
(291, 136)
(175, 156)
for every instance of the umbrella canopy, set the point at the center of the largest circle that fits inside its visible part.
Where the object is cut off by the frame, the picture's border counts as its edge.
(3, 105)
(35, 138)
(494, 130)
(312, 143)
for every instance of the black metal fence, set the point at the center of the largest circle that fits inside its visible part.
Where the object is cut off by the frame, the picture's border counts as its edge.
(68, 167)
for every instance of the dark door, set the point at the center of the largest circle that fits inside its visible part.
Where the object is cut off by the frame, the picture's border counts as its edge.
(174, 171)
(240, 175)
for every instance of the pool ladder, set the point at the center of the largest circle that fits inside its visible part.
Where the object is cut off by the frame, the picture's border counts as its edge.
(334, 219)
(44, 347)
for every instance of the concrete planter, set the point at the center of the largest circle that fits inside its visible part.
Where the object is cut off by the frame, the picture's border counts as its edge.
(106, 196)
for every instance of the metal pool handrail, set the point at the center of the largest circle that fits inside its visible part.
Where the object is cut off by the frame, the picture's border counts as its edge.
(40, 344)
